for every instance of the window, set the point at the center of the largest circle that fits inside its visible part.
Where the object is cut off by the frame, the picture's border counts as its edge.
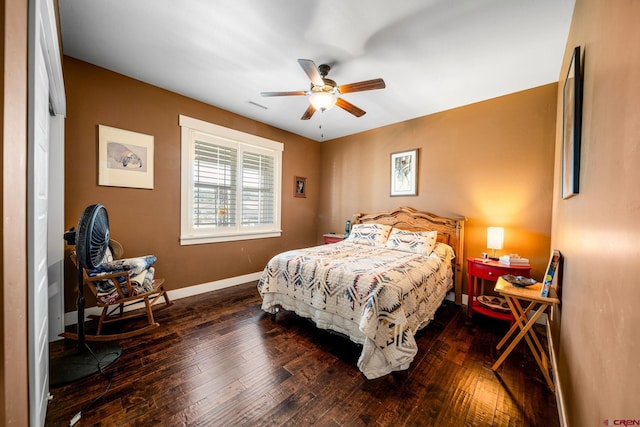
(231, 184)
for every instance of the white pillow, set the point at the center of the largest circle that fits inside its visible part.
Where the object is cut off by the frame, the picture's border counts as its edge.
(417, 242)
(369, 234)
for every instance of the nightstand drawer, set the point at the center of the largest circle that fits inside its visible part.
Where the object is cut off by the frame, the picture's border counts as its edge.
(487, 272)
(490, 272)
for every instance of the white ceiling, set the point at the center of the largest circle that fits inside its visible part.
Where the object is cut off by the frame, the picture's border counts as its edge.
(433, 54)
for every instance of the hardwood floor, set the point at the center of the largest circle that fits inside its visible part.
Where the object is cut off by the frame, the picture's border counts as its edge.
(218, 360)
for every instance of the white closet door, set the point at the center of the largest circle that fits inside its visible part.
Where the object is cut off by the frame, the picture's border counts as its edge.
(37, 246)
(46, 97)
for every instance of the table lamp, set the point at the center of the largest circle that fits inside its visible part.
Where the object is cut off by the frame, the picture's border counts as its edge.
(495, 239)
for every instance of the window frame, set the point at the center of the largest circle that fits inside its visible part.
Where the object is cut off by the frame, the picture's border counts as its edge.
(192, 129)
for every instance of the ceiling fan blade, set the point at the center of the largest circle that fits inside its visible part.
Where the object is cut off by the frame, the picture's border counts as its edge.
(294, 93)
(361, 86)
(347, 106)
(308, 113)
(310, 68)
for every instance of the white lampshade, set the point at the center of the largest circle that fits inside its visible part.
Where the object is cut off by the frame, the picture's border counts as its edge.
(495, 238)
(323, 100)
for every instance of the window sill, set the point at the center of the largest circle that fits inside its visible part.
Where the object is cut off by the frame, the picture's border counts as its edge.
(198, 240)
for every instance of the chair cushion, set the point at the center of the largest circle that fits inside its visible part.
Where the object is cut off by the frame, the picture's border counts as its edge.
(140, 274)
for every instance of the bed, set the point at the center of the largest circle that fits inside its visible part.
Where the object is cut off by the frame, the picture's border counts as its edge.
(378, 287)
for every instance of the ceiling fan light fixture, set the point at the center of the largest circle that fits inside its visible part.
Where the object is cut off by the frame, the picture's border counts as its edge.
(324, 93)
(323, 100)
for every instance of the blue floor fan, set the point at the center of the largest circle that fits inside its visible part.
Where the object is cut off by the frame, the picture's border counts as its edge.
(91, 241)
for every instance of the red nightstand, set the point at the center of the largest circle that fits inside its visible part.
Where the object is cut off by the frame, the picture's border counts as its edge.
(332, 238)
(479, 270)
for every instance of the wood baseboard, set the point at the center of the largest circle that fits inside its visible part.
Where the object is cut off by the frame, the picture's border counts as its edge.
(71, 318)
(562, 414)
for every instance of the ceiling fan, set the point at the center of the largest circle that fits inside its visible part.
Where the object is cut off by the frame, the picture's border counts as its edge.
(325, 93)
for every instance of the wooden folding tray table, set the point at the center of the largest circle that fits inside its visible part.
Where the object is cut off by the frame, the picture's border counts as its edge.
(536, 304)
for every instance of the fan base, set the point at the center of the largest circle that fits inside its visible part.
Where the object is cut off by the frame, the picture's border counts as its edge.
(76, 364)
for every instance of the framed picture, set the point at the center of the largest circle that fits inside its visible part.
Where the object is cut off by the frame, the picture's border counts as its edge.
(404, 173)
(125, 158)
(550, 272)
(300, 186)
(571, 127)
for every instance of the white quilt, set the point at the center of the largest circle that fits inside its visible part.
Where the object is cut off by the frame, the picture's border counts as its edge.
(378, 297)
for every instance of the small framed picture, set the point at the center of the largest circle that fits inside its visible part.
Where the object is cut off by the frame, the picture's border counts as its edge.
(125, 158)
(300, 186)
(404, 173)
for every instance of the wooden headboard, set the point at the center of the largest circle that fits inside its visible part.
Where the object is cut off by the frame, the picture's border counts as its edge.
(450, 231)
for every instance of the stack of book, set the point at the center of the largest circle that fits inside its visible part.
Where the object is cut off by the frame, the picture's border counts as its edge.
(513, 260)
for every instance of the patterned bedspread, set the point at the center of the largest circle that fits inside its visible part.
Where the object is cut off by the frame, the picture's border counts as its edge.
(378, 297)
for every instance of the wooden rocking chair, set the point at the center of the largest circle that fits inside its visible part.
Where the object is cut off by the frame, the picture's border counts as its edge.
(113, 308)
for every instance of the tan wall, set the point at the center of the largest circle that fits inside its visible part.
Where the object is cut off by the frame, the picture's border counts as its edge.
(148, 221)
(598, 231)
(490, 162)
